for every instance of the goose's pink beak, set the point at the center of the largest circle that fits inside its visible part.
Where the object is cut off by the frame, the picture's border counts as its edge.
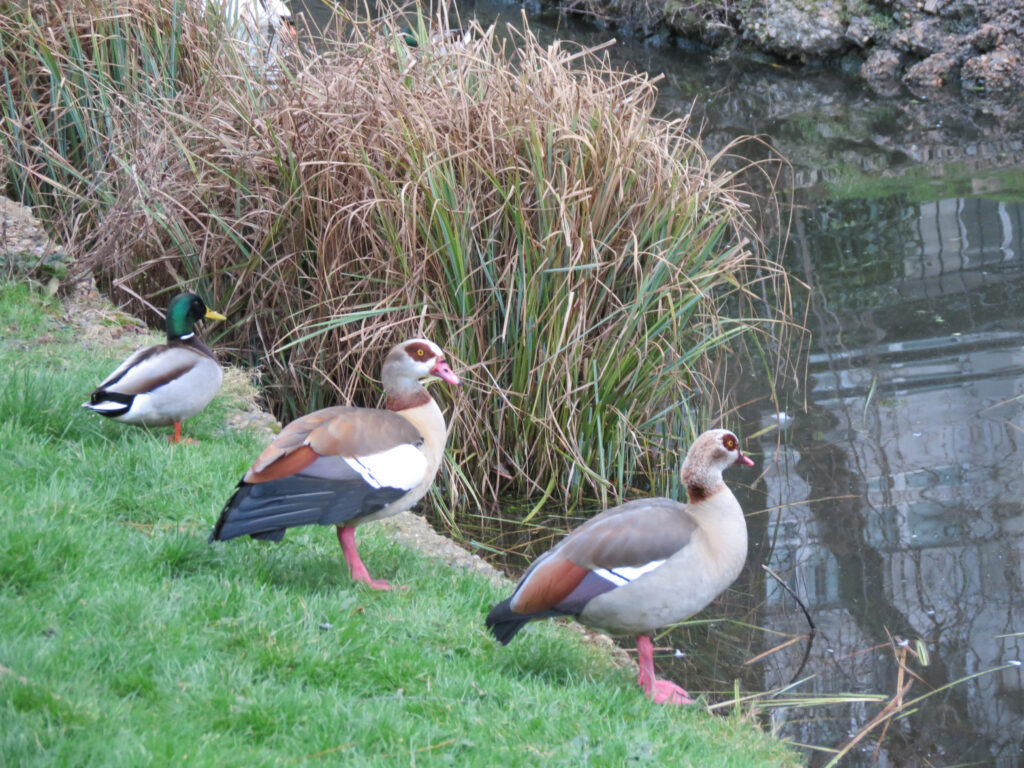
(745, 460)
(442, 371)
(288, 31)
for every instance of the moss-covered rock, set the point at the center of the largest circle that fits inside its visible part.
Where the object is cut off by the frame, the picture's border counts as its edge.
(798, 29)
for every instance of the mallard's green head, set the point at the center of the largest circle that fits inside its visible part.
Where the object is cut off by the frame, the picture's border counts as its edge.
(184, 312)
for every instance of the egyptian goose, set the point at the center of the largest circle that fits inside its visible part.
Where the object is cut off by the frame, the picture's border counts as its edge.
(642, 565)
(164, 384)
(346, 466)
(259, 24)
(442, 42)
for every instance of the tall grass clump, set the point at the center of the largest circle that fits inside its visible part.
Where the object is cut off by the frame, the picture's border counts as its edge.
(587, 267)
(83, 83)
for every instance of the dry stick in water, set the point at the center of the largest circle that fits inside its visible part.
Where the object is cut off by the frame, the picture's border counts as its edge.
(810, 634)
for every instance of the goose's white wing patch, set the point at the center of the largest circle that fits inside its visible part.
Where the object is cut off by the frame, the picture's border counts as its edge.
(620, 577)
(403, 466)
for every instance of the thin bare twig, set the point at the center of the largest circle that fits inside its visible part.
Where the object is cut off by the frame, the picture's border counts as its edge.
(807, 614)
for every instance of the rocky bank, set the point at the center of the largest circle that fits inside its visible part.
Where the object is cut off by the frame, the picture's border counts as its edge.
(924, 44)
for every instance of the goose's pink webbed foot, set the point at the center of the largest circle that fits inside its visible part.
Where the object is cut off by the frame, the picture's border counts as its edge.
(658, 691)
(347, 539)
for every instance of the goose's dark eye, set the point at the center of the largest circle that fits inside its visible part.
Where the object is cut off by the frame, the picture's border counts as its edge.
(729, 442)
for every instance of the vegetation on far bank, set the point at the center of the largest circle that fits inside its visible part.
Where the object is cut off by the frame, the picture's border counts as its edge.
(591, 273)
(126, 639)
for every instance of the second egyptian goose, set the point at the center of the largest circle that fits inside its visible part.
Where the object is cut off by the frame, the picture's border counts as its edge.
(261, 26)
(163, 385)
(346, 466)
(642, 565)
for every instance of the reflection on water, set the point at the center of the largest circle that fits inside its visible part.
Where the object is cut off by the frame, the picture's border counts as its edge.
(895, 493)
(900, 486)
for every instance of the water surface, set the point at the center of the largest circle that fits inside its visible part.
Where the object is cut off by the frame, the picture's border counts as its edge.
(898, 484)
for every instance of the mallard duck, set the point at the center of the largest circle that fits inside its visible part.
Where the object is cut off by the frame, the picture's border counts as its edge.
(165, 384)
(642, 565)
(345, 466)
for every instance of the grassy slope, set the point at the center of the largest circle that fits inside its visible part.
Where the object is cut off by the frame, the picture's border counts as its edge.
(126, 639)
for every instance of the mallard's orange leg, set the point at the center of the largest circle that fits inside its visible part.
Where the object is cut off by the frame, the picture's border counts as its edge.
(176, 437)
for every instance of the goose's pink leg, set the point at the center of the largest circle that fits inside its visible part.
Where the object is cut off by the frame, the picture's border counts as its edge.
(347, 539)
(658, 691)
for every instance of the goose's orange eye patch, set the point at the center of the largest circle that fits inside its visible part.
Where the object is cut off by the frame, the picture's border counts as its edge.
(729, 442)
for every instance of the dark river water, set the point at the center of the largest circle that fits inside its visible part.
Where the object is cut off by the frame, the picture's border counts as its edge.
(893, 475)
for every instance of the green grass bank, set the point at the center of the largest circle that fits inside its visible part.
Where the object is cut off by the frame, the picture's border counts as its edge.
(127, 640)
